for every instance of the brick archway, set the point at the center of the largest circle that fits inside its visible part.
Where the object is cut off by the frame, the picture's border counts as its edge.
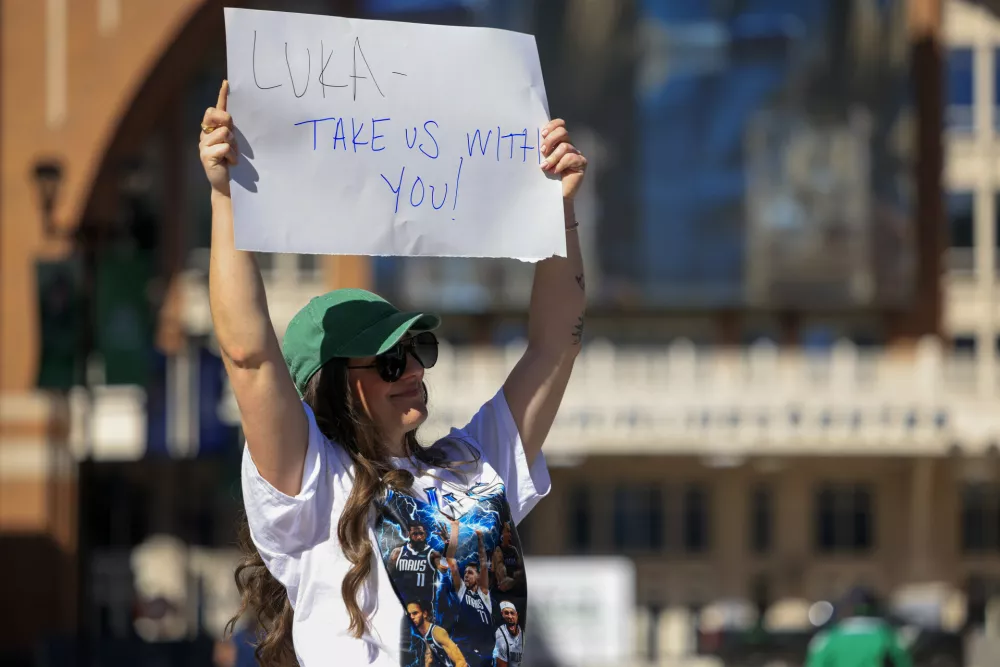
(75, 84)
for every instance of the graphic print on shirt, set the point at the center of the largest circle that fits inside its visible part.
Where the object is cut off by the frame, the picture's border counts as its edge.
(413, 566)
(475, 616)
(509, 645)
(436, 654)
(454, 560)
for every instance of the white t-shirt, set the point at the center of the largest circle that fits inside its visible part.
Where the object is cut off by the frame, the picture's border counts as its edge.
(297, 539)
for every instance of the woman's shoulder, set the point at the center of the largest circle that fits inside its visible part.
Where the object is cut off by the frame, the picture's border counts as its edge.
(334, 454)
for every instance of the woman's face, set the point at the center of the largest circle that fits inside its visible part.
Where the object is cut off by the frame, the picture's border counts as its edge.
(396, 407)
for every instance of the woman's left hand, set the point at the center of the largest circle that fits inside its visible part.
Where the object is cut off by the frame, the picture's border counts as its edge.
(562, 157)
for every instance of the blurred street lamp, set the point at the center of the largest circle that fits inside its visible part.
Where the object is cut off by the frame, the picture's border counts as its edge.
(48, 175)
(48, 179)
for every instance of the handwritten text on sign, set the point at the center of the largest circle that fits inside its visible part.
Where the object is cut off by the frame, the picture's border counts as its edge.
(387, 138)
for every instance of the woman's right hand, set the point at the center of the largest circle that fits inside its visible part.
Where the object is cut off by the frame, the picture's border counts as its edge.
(218, 146)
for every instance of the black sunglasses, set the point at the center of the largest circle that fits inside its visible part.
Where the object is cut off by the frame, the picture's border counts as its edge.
(391, 364)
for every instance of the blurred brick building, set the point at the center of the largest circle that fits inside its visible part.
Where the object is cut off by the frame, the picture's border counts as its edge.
(97, 118)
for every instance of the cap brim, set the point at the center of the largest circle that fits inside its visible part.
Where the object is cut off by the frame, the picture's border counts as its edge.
(402, 323)
(385, 333)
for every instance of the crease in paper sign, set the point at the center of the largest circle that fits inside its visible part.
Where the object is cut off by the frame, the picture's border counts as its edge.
(338, 195)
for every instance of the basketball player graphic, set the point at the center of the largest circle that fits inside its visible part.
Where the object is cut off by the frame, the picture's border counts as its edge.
(508, 566)
(456, 556)
(413, 568)
(510, 639)
(439, 649)
(471, 588)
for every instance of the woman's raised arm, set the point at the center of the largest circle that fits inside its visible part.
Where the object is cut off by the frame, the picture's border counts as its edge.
(274, 422)
(535, 387)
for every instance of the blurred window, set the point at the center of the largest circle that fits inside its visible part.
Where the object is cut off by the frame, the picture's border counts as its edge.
(964, 344)
(761, 519)
(638, 517)
(996, 230)
(961, 219)
(961, 86)
(961, 231)
(996, 90)
(580, 519)
(981, 517)
(695, 506)
(844, 518)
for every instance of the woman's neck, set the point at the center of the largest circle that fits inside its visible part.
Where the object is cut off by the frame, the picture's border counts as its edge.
(397, 448)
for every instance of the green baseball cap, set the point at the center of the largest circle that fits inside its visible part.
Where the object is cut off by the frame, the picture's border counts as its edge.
(345, 323)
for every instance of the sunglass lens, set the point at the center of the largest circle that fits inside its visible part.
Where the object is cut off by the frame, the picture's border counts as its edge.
(425, 349)
(392, 364)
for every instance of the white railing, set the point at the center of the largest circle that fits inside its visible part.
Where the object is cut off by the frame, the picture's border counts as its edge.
(722, 402)
(755, 400)
(718, 403)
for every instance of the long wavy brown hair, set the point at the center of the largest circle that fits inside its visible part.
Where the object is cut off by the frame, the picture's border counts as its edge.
(343, 421)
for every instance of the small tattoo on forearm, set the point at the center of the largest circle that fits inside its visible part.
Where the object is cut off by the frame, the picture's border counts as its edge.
(581, 281)
(578, 331)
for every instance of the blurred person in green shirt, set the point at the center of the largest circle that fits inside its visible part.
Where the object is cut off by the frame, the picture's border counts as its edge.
(862, 639)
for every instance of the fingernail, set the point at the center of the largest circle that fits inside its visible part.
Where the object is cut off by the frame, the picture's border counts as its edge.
(544, 148)
(545, 133)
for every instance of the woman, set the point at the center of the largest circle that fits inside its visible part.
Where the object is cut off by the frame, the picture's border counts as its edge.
(349, 520)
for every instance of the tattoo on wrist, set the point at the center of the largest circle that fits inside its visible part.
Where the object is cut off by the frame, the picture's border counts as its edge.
(578, 331)
(581, 281)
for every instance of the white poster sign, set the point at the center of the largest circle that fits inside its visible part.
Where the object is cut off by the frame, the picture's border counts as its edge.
(386, 138)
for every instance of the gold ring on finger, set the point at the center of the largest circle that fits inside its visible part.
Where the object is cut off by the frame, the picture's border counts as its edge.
(207, 129)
